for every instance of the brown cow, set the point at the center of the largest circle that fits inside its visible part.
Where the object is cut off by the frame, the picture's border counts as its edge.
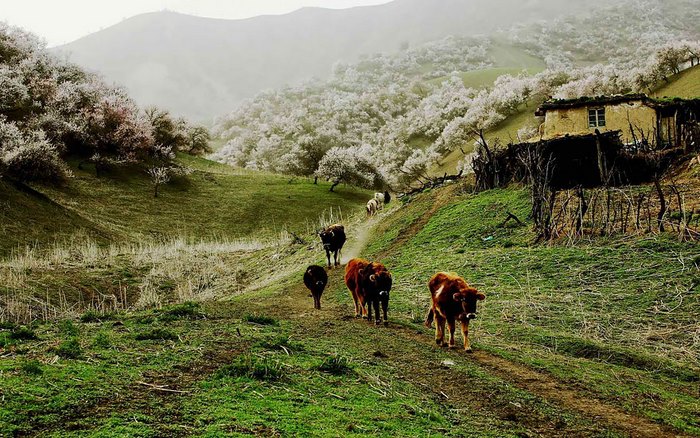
(452, 298)
(315, 279)
(370, 284)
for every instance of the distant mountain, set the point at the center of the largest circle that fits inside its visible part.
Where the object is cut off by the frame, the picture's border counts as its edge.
(202, 67)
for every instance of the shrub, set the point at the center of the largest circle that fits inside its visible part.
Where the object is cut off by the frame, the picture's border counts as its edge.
(336, 365)
(69, 349)
(254, 368)
(157, 334)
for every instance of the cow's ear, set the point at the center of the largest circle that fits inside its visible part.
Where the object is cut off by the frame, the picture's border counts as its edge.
(480, 296)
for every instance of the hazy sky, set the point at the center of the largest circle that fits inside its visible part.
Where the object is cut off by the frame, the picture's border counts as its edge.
(62, 21)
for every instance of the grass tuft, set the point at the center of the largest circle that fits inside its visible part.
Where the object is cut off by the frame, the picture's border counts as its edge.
(157, 334)
(102, 340)
(32, 367)
(253, 367)
(67, 327)
(69, 349)
(336, 365)
(92, 316)
(187, 310)
(23, 334)
(260, 320)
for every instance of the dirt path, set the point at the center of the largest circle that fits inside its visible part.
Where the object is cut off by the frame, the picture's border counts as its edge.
(411, 352)
(407, 347)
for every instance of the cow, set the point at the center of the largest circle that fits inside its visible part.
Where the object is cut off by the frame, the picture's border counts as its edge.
(379, 197)
(372, 207)
(369, 284)
(452, 298)
(333, 239)
(316, 279)
(382, 199)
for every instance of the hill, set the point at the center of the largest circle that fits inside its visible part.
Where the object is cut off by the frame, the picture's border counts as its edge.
(593, 339)
(216, 201)
(685, 85)
(202, 67)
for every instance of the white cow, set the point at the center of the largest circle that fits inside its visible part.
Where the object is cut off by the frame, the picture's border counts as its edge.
(379, 197)
(372, 208)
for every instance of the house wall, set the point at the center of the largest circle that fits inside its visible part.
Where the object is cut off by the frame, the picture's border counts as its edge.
(618, 117)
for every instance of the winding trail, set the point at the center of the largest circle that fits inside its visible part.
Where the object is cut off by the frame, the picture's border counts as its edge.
(406, 349)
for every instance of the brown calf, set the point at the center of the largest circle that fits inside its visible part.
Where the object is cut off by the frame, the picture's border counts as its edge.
(452, 298)
(315, 279)
(370, 284)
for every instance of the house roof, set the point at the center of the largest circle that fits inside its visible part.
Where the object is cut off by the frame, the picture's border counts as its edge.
(590, 101)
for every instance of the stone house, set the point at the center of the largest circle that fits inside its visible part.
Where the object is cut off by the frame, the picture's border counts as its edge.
(638, 117)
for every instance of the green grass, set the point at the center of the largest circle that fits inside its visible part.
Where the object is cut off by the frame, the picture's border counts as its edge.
(685, 85)
(617, 317)
(216, 201)
(482, 79)
(506, 55)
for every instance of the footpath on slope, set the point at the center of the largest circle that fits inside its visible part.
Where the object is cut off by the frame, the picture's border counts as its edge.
(408, 350)
(408, 357)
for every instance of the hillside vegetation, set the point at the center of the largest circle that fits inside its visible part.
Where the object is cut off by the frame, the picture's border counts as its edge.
(686, 85)
(598, 339)
(216, 201)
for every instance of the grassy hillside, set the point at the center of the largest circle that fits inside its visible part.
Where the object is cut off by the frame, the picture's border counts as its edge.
(508, 60)
(215, 201)
(591, 340)
(686, 85)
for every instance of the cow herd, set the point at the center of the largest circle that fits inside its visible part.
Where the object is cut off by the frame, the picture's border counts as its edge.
(369, 283)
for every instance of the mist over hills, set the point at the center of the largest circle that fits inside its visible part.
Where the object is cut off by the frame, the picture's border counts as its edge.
(202, 67)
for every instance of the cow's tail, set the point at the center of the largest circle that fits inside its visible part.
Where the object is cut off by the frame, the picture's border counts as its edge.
(429, 318)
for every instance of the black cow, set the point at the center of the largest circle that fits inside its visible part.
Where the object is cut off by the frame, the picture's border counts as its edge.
(333, 239)
(315, 279)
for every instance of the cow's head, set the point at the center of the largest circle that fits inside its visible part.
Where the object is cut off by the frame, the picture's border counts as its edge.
(379, 279)
(467, 297)
(327, 236)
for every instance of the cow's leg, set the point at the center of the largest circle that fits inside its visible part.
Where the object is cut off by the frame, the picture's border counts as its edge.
(369, 310)
(385, 307)
(328, 256)
(465, 334)
(451, 326)
(337, 262)
(317, 301)
(377, 317)
(358, 313)
(439, 329)
(429, 318)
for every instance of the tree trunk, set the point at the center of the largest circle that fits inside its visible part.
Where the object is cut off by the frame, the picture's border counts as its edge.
(315, 180)
(335, 184)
